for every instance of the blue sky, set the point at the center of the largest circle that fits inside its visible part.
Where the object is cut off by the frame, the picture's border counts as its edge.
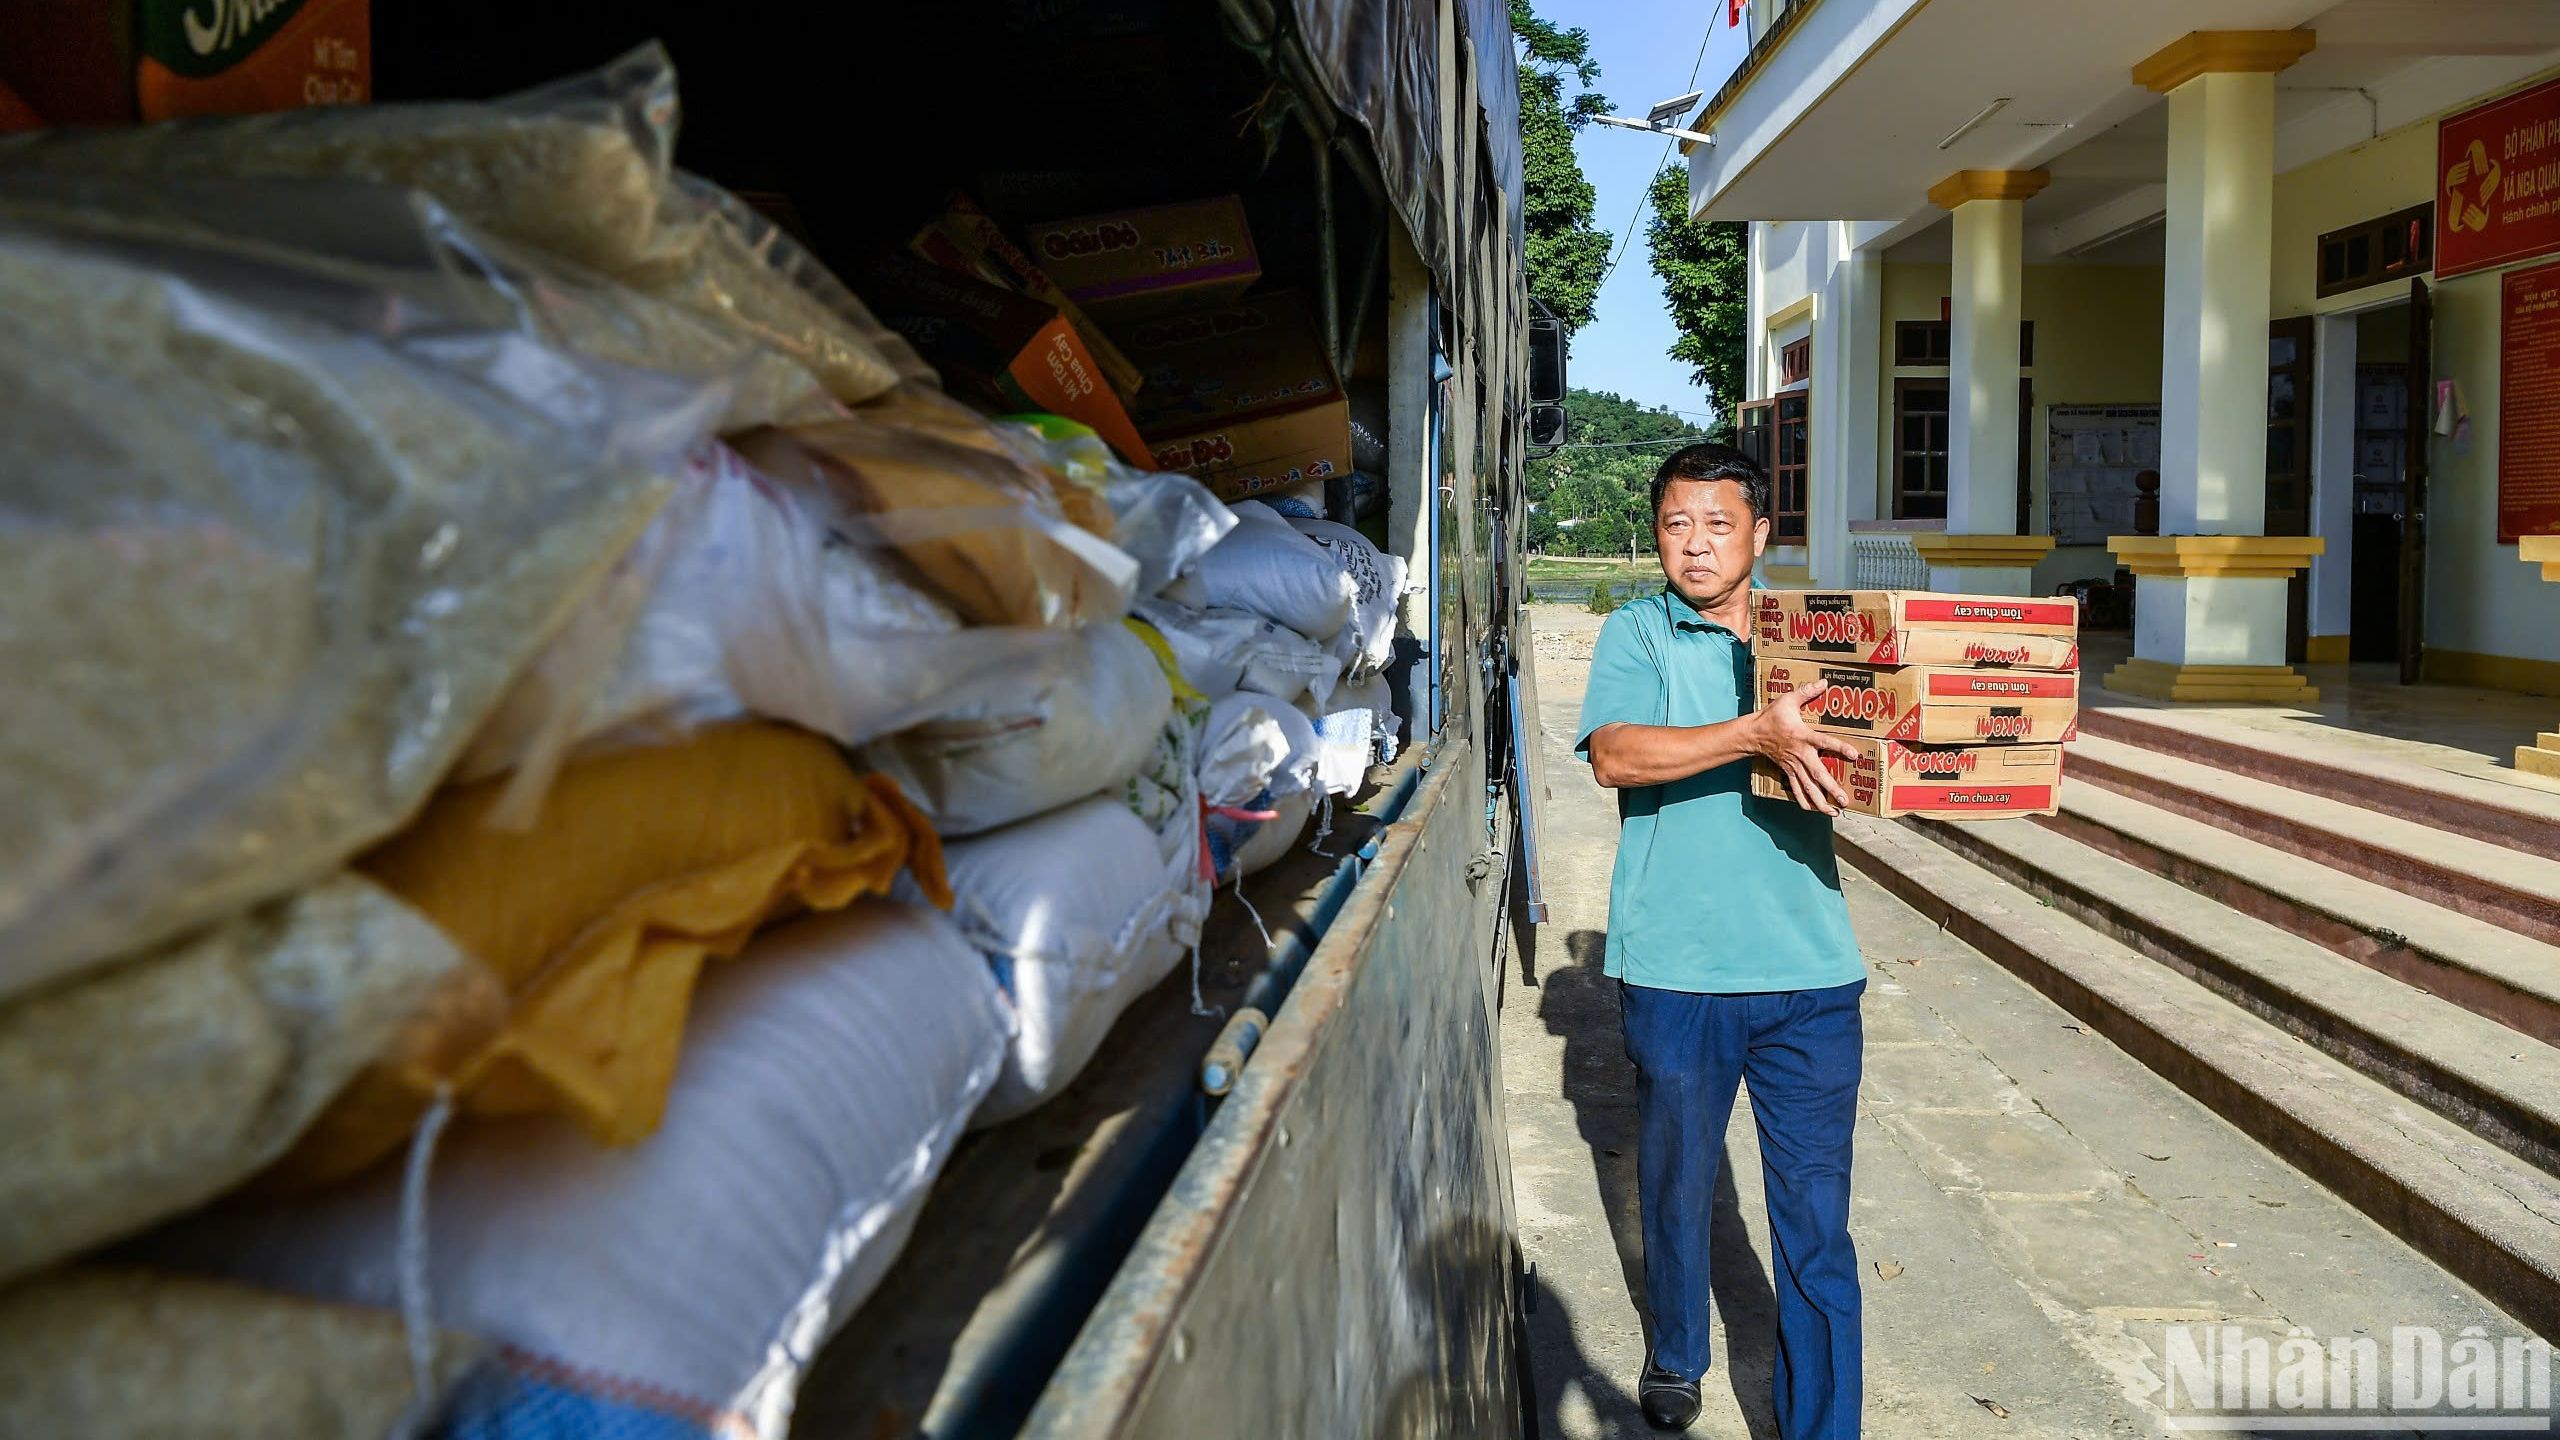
(1645, 49)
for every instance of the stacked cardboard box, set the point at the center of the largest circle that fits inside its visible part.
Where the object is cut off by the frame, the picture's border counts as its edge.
(1958, 704)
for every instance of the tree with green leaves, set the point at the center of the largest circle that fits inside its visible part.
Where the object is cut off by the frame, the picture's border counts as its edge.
(1566, 255)
(1705, 271)
(1589, 498)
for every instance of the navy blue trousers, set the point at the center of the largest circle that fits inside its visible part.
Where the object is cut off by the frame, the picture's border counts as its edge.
(1800, 1052)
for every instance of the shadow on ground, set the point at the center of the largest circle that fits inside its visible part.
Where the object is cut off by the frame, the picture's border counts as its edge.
(1579, 1005)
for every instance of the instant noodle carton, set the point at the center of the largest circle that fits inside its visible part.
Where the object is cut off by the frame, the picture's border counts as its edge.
(1000, 347)
(1131, 264)
(1932, 704)
(1918, 627)
(1242, 397)
(1890, 779)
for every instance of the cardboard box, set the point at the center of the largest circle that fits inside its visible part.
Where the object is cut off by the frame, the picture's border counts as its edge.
(1241, 396)
(1008, 350)
(1889, 779)
(1919, 627)
(1932, 704)
(110, 62)
(967, 240)
(1132, 264)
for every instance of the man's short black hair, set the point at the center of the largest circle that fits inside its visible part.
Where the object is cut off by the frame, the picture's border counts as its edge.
(1711, 461)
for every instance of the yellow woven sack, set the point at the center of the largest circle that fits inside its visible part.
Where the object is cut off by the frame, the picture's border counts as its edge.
(643, 865)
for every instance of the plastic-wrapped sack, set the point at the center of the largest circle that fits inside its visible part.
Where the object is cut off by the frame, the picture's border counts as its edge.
(1267, 567)
(1357, 731)
(1366, 644)
(739, 601)
(676, 1288)
(980, 524)
(271, 546)
(403, 246)
(1165, 521)
(149, 1087)
(1223, 651)
(117, 1353)
(1081, 724)
(644, 866)
(580, 168)
(1078, 915)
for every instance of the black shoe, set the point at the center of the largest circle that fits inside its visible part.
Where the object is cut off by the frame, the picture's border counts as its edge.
(1670, 1403)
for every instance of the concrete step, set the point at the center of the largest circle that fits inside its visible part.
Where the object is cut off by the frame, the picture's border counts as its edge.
(2483, 1214)
(2373, 778)
(2506, 887)
(2486, 1078)
(2489, 971)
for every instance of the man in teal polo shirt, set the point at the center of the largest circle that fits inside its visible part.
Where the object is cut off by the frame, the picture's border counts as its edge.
(1731, 946)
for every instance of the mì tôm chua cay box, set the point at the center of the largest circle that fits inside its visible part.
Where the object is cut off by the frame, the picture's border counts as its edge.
(1918, 627)
(1932, 704)
(1890, 779)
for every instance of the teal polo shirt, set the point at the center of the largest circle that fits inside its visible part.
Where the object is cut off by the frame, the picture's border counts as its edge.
(1716, 891)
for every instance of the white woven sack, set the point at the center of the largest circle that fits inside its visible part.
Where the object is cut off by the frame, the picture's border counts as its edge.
(1267, 567)
(1055, 733)
(738, 601)
(1079, 915)
(827, 1072)
(1255, 743)
(1366, 644)
(1223, 651)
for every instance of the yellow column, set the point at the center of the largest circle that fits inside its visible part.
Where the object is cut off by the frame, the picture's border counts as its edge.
(2210, 589)
(1981, 549)
(2543, 756)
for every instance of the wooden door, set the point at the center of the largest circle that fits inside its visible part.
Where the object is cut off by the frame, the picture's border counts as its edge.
(2289, 435)
(2413, 470)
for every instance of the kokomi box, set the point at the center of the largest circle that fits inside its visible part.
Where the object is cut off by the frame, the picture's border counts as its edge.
(1130, 264)
(1008, 350)
(1932, 704)
(1242, 397)
(1919, 627)
(1890, 779)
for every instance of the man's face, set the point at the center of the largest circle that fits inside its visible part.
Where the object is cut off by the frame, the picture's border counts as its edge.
(1707, 538)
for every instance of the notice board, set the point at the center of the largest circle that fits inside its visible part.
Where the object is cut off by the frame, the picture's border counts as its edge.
(2093, 453)
(2529, 403)
(2498, 182)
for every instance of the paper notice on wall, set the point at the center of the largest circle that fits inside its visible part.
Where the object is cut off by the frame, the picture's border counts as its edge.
(2094, 453)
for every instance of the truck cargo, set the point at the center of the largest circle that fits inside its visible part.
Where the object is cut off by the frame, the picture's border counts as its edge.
(891, 1053)
(1931, 704)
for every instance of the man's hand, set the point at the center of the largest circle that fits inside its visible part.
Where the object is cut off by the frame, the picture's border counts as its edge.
(1780, 735)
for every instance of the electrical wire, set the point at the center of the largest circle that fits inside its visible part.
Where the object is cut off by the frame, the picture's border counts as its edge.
(1632, 444)
(1644, 196)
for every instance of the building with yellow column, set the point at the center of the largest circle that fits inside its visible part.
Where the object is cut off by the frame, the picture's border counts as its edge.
(2151, 296)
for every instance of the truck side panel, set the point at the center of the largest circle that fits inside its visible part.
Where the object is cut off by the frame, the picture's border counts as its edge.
(1336, 1258)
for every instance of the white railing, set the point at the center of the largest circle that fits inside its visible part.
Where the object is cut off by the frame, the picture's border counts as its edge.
(1885, 561)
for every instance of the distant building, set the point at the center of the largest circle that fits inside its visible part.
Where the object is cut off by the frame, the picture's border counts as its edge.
(2007, 257)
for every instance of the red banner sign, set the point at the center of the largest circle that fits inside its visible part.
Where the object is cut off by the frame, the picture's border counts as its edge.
(2529, 404)
(2498, 182)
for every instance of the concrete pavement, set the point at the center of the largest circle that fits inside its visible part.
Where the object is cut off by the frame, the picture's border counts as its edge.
(2044, 1205)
